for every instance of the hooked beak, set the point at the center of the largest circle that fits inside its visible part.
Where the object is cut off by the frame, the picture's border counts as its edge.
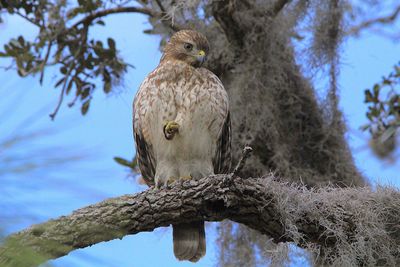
(201, 57)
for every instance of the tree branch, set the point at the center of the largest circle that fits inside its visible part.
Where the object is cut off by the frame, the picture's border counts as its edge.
(262, 204)
(160, 5)
(71, 67)
(277, 7)
(381, 20)
(129, 9)
(46, 58)
(223, 13)
(28, 19)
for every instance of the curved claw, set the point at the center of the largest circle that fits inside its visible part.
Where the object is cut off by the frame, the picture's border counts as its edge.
(165, 183)
(186, 178)
(170, 129)
(169, 181)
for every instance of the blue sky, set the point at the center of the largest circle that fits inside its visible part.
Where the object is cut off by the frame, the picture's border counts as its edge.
(105, 132)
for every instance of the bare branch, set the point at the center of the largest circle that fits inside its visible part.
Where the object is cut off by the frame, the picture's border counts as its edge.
(71, 68)
(257, 203)
(106, 12)
(46, 58)
(28, 19)
(369, 23)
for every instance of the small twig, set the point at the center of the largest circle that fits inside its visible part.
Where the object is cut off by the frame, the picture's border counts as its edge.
(160, 6)
(61, 98)
(28, 19)
(245, 155)
(70, 69)
(46, 58)
(11, 67)
(72, 103)
(380, 20)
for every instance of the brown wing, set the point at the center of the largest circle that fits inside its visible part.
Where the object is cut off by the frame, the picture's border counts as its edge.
(223, 158)
(144, 150)
(145, 157)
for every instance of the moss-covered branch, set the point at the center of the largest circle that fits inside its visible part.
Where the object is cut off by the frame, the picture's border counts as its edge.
(355, 223)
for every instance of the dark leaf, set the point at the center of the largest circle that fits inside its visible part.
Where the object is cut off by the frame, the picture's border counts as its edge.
(376, 91)
(365, 127)
(86, 90)
(397, 70)
(21, 40)
(60, 81)
(368, 96)
(374, 112)
(100, 22)
(85, 107)
(63, 70)
(111, 43)
(107, 87)
(124, 162)
(69, 86)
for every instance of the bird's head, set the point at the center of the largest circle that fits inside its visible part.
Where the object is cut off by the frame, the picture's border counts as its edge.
(188, 46)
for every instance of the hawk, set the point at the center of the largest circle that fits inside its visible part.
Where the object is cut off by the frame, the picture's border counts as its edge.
(182, 127)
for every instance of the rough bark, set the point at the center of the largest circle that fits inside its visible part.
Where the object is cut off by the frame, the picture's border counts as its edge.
(268, 206)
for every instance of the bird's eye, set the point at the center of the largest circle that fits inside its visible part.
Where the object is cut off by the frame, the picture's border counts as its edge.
(188, 46)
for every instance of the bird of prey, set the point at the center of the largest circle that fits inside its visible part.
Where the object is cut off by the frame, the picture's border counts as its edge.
(182, 127)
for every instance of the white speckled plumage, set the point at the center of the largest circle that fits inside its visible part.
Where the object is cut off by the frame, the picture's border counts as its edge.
(179, 90)
(198, 102)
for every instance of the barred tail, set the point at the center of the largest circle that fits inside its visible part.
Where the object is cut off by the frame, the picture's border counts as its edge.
(189, 241)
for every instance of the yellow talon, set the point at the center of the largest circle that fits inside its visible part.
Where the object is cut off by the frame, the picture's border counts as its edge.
(170, 129)
(170, 180)
(186, 178)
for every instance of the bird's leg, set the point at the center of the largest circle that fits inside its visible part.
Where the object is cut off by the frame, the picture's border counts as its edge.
(170, 129)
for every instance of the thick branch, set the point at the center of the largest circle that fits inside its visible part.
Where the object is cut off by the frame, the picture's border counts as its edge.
(262, 204)
(129, 9)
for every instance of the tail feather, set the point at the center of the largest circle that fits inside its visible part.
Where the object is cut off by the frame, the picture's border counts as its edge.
(189, 241)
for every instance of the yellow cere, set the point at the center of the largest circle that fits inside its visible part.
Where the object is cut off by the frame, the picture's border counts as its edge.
(202, 53)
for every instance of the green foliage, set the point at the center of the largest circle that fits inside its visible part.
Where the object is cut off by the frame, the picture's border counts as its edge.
(63, 41)
(383, 101)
